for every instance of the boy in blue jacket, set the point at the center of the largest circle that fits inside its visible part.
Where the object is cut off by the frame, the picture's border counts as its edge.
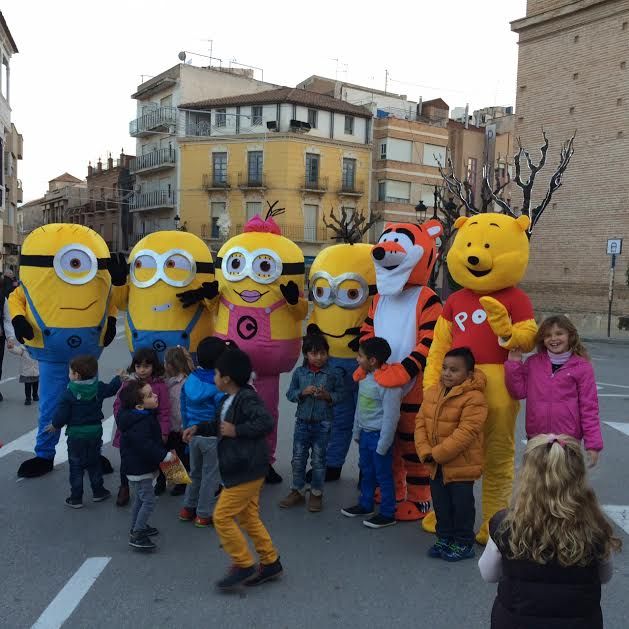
(80, 408)
(199, 400)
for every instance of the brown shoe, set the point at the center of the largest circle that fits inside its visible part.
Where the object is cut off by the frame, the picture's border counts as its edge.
(315, 503)
(123, 496)
(292, 500)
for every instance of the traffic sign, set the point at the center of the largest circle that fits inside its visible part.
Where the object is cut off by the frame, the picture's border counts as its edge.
(614, 246)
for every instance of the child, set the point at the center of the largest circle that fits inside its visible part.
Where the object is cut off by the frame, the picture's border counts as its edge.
(551, 550)
(178, 366)
(377, 415)
(449, 440)
(80, 408)
(199, 400)
(141, 451)
(559, 386)
(146, 369)
(243, 458)
(315, 387)
(29, 371)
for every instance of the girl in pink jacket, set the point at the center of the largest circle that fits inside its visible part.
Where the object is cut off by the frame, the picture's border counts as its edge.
(559, 386)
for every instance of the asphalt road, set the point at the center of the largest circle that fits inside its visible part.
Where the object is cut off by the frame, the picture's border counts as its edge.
(338, 573)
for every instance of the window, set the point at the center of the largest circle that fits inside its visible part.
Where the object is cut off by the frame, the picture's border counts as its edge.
(312, 170)
(434, 155)
(383, 150)
(254, 175)
(218, 210)
(219, 169)
(221, 117)
(382, 190)
(311, 220)
(312, 118)
(398, 191)
(256, 116)
(399, 150)
(253, 208)
(349, 175)
(349, 125)
(167, 101)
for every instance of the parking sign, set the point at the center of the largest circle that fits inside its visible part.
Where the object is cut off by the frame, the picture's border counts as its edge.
(614, 246)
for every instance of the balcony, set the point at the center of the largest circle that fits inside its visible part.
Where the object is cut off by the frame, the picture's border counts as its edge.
(215, 181)
(316, 185)
(156, 200)
(157, 119)
(20, 192)
(251, 181)
(155, 160)
(305, 233)
(351, 188)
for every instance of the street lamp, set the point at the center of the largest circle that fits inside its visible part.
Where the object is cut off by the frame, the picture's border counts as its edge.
(420, 211)
(177, 219)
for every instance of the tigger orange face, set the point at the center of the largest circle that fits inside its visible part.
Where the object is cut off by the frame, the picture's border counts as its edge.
(405, 255)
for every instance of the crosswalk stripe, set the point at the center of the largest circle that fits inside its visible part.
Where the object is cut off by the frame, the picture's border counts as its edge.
(619, 514)
(622, 427)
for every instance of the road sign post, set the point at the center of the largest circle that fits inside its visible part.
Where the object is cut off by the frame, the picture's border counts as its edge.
(614, 248)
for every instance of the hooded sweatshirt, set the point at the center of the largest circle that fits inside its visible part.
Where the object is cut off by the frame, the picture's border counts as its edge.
(199, 398)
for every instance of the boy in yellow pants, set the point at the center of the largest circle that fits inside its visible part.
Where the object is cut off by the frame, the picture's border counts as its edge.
(242, 423)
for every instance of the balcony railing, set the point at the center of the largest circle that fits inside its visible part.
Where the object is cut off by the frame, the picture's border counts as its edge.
(20, 192)
(252, 180)
(297, 233)
(153, 120)
(352, 188)
(315, 184)
(215, 181)
(152, 200)
(155, 160)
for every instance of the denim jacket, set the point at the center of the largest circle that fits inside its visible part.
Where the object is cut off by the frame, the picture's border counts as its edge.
(310, 408)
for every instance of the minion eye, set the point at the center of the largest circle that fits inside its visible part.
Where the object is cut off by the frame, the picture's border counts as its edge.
(178, 261)
(144, 262)
(322, 293)
(75, 261)
(350, 296)
(264, 267)
(75, 264)
(235, 264)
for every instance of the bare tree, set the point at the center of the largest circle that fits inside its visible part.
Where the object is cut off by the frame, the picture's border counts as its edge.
(349, 229)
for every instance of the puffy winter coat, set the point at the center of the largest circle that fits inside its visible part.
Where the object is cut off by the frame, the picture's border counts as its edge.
(141, 447)
(199, 398)
(175, 385)
(449, 426)
(563, 402)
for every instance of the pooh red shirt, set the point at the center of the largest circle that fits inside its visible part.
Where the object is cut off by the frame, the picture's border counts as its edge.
(470, 327)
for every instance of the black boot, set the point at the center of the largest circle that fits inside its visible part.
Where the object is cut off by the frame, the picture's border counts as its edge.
(272, 477)
(105, 465)
(37, 466)
(332, 474)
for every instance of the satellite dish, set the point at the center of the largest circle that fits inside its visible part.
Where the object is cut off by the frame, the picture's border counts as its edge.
(182, 55)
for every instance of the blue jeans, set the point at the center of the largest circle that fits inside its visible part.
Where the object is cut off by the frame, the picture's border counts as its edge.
(375, 470)
(84, 454)
(144, 501)
(310, 438)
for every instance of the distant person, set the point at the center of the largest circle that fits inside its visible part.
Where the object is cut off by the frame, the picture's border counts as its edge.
(559, 385)
(242, 426)
(6, 327)
(449, 440)
(80, 409)
(9, 282)
(551, 550)
(29, 371)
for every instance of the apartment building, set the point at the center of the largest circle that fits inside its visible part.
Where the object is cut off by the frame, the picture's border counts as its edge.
(309, 152)
(65, 193)
(30, 216)
(573, 74)
(14, 195)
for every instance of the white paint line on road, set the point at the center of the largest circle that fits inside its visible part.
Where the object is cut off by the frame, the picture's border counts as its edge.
(609, 384)
(619, 514)
(71, 594)
(625, 395)
(7, 380)
(623, 428)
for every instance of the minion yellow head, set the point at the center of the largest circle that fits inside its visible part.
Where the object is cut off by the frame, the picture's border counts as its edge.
(251, 266)
(161, 265)
(63, 267)
(490, 252)
(342, 282)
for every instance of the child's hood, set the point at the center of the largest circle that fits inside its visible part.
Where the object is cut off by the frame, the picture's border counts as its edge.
(200, 385)
(126, 418)
(476, 382)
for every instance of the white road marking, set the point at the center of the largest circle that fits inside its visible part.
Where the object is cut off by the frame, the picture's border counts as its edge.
(622, 427)
(609, 384)
(619, 514)
(26, 442)
(625, 395)
(71, 594)
(8, 380)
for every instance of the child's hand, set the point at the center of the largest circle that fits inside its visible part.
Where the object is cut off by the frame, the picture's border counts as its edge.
(309, 390)
(322, 394)
(516, 355)
(50, 428)
(10, 343)
(123, 374)
(227, 429)
(592, 457)
(188, 433)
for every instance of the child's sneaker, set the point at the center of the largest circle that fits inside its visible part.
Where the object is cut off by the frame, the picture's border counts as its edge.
(35, 398)
(187, 515)
(436, 550)
(235, 576)
(458, 552)
(149, 531)
(141, 541)
(356, 511)
(379, 521)
(27, 402)
(102, 495)
(74, 503)
(315, 503)
(202, 523)
(266, 572)
(293, 499)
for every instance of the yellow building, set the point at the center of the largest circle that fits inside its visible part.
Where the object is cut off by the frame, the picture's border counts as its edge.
(309, 152)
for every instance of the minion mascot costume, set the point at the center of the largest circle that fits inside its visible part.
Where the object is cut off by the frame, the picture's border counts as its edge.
(161, 267)
(490, 315)
(404, 312)
(342, 283)
(262, 306)
(61, 309)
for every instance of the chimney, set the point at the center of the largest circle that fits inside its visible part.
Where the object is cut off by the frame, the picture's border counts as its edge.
(110, 162)
(90, 169)
(99, 166)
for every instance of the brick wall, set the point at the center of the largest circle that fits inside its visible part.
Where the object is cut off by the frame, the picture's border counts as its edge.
(572, 74)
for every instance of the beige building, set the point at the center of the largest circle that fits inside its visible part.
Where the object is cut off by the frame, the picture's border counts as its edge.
(14, 195)
(65, 192)
(30, 216)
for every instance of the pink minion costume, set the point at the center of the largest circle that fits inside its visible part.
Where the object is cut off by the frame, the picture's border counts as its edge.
(262, 306)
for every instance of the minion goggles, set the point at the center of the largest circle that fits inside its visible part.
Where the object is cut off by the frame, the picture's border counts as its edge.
(158, 265)
(333, 294)
(263, 266)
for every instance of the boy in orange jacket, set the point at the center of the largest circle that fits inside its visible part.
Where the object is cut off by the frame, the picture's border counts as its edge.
(449, 439)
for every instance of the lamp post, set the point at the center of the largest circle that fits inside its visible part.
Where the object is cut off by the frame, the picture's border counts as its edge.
(437, 196)
(421, 211)
(177, 220)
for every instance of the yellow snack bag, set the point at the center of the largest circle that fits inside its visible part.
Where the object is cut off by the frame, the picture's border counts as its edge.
(175, 472)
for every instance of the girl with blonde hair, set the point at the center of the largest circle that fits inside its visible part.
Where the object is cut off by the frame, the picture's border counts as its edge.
(551, 550)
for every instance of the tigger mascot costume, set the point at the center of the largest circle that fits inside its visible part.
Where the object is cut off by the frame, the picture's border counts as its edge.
(404, 311)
